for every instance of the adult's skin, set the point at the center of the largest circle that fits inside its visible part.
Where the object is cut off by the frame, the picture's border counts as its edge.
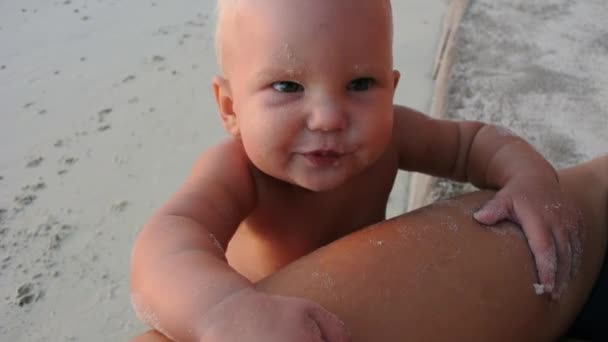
(435, 274)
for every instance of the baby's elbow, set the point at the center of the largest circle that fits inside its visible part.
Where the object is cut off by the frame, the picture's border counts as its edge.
(140, 291)
(140, 260)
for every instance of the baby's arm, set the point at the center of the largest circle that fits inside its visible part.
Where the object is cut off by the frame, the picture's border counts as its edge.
(485, 155)
(181, 283)
(178, 268)
(492, 157)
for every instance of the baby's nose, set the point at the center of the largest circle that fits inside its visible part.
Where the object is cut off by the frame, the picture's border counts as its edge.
(327, 118)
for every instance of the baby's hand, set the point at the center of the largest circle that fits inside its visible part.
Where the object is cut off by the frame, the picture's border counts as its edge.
(550, 222)
(249, 315)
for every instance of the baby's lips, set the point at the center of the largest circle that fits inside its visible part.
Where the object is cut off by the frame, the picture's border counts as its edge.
(324, 153)
(323, 158)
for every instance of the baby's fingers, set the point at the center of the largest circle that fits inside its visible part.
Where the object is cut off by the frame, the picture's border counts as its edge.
(332, 328)
(493, 211)
(565, 260)
(543, 246)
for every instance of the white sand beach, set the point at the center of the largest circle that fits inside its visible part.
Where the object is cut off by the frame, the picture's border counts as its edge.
(104, 107)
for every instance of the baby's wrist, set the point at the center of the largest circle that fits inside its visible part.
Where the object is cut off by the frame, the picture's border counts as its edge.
(222, 308)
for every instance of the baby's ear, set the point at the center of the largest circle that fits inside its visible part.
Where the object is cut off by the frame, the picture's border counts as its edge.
(396, 77)
(223, 99)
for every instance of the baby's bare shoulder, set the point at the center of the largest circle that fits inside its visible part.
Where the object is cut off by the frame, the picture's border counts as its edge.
(221, 174)
(228, 152)
(225, 161)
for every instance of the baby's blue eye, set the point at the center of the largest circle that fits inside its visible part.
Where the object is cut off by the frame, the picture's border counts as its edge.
(361, 84)
(287, 87)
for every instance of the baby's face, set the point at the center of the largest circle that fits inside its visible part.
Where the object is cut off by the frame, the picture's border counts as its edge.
(309, 85)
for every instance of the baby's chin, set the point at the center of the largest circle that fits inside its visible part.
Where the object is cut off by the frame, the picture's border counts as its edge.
(319, 183)
(316, 179)
(318, 186)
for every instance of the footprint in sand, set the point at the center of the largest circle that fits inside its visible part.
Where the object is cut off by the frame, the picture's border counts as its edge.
(5, 262)
(128, 79)
(35, 162)
(120, 206)
(55, 242)
(27, 294)
(104, 128)
(35, 187)
(69, 160)
(54, 232)
(165, 30)
(24, 200)
(200, 22)
(158, 59)
(121, 160)
(101, 115)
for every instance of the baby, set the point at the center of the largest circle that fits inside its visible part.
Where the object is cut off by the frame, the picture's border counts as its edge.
(306, 95)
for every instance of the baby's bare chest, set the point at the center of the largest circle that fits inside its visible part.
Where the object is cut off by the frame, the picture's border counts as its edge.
(285, 227)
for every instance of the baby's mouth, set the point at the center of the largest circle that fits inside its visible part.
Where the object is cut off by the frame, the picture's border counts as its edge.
(322, 158)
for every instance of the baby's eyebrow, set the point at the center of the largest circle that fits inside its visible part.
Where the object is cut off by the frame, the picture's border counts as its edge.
(365, 69)
(274, 74)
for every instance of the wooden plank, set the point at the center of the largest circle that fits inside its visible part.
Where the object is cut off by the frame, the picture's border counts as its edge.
(420, 184)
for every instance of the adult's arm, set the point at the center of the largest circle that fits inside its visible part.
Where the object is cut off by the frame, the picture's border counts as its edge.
(435, 274)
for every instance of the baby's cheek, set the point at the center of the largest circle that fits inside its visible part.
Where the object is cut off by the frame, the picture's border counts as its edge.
(261, 150)
(382, 135)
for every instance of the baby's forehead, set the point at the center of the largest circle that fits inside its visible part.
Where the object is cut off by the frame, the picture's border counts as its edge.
(237, 18)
